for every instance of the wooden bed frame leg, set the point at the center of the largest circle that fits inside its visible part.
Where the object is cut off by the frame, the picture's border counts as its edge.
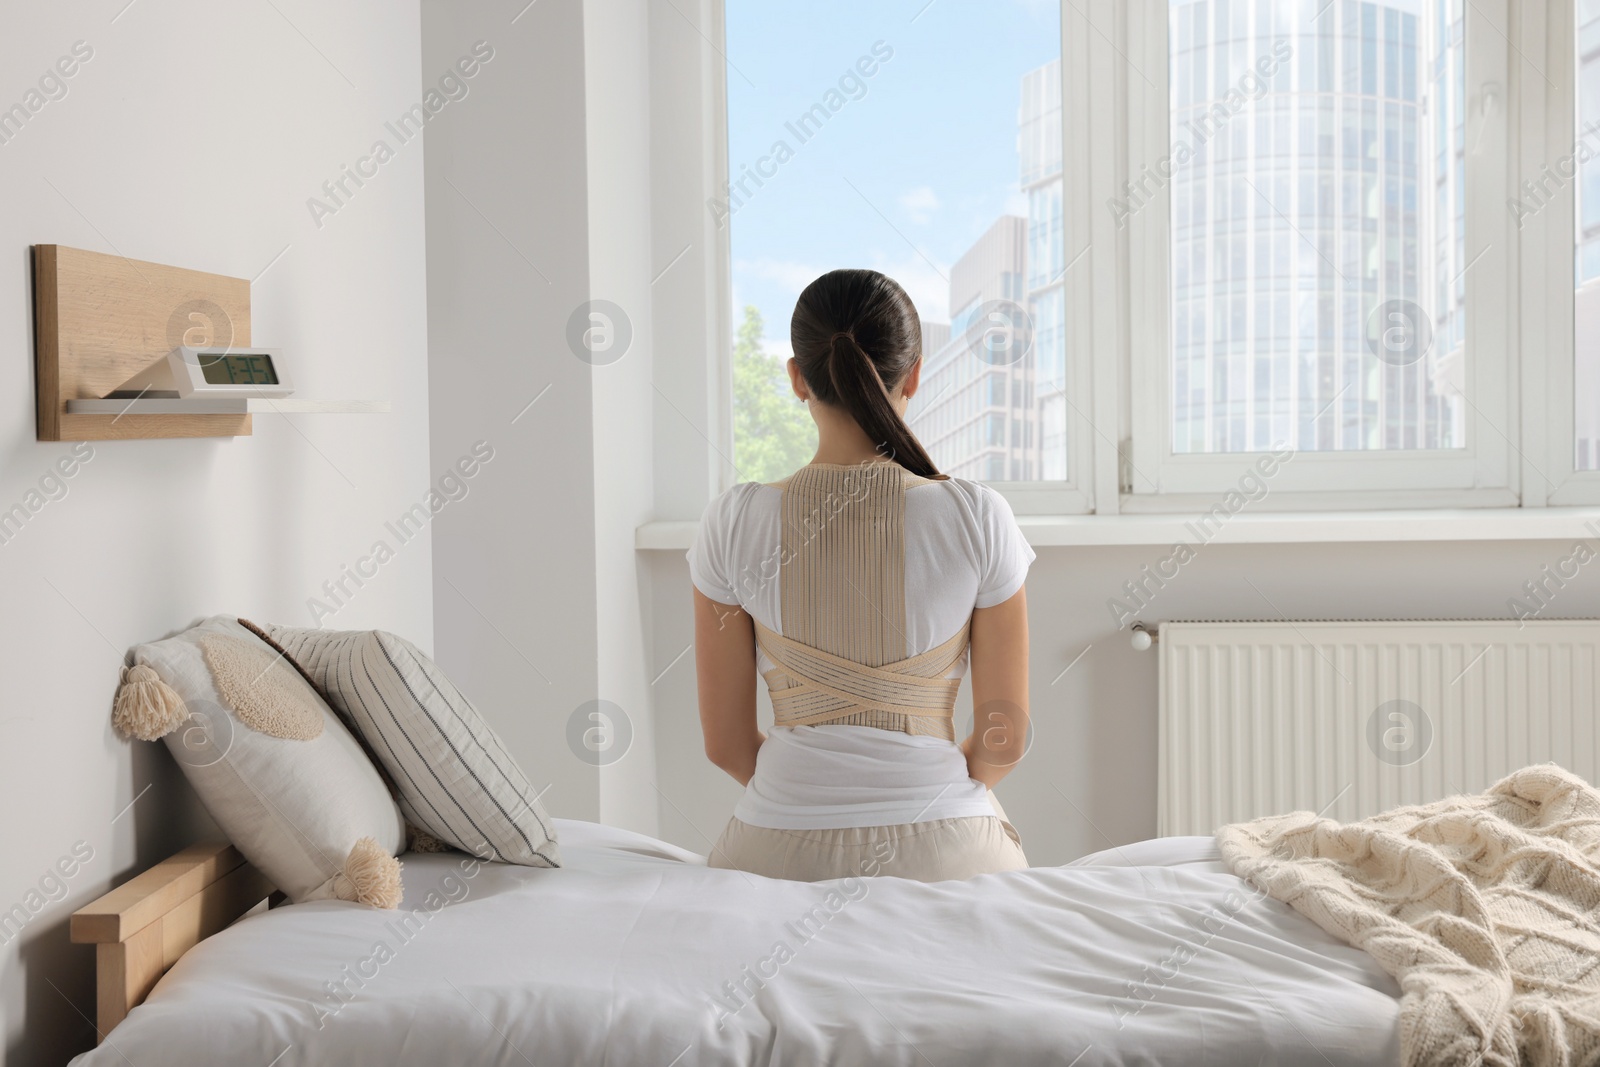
(125, 972)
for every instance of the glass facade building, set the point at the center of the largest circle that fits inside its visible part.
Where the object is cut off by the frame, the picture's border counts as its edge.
(1039, 151)
(1317, 224)
(970, 414)
(1006, 419)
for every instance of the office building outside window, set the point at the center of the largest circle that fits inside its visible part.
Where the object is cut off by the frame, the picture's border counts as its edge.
(993, 404)
(1318, 236)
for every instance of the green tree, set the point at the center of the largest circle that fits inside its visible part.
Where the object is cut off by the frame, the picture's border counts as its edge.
(773, 434)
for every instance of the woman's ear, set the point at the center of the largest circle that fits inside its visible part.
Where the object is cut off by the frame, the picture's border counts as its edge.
(796, 381)
(913, 382)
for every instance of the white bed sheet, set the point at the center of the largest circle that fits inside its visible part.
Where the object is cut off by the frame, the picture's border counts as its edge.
(1147, 954)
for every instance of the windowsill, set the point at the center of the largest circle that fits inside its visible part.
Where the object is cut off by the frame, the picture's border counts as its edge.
(1261, 528)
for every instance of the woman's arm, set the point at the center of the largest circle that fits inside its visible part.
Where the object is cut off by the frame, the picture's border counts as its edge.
(725, 663)
(999, 689)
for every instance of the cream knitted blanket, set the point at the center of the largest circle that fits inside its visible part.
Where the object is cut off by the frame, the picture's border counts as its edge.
(1486, 910)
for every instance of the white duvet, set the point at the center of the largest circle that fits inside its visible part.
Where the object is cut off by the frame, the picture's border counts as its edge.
(635, 953)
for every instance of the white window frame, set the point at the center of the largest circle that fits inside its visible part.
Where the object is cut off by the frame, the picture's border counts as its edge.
(1478, 475)
(1547, 120)
(1073, 496)
(1520, 415)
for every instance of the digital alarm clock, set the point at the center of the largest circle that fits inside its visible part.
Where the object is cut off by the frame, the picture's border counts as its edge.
(220, 373)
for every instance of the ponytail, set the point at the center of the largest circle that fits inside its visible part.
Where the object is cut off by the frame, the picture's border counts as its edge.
(856, 336)
(860, 390)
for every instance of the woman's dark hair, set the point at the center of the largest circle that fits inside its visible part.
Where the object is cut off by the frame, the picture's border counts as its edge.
(856, 335)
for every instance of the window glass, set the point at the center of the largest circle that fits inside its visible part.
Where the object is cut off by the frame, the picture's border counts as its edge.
(925, 144)
(1320, 303)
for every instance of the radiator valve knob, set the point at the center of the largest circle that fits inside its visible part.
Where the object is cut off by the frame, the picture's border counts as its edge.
(1142, 638)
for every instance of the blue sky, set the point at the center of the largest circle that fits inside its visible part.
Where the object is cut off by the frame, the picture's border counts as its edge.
(931, 145)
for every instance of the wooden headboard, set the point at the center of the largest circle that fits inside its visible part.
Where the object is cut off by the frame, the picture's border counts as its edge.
(141, 927)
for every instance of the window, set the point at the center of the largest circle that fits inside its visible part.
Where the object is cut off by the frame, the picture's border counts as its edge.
(1298, 179)
(860, 139)
(1333, 231)
(1371, 357)
(1557, 218)
(1586, 370)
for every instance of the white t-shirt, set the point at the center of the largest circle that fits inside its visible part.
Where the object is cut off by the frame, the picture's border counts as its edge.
(963, 551)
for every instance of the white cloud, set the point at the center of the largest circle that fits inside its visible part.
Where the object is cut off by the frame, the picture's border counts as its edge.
(920, 203)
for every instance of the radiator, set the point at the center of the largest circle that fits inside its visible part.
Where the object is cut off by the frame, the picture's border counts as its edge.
(1352, 718)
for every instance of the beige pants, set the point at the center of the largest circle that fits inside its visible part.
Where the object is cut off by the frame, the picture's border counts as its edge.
(935, 851)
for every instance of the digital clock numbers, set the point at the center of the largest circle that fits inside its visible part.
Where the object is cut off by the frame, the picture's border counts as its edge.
(255, 369)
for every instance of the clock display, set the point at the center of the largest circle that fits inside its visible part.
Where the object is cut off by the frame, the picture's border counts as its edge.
(238, 370)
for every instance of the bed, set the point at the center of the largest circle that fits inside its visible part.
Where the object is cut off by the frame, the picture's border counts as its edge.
(635, 952)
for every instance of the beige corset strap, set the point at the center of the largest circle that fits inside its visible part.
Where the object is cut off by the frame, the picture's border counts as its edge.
(841, 659)
(810, 687)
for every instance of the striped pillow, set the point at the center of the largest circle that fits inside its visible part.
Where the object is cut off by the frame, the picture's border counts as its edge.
(453, 776)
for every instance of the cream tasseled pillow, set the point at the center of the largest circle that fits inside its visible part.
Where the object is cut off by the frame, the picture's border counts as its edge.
(271, 762)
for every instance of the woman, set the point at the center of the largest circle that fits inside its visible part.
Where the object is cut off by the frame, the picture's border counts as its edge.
(856, 587)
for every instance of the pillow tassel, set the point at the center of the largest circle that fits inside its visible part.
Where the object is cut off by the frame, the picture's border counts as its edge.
(146, 707)
(371, 876)
(419, 840)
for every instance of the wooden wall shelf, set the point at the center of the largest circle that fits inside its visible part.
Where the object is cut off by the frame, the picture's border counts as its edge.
(99, 320)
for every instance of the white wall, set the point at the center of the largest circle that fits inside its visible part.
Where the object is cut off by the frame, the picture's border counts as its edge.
(622, 269)
(194, 136)
(1089, 781)
(529, 219)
